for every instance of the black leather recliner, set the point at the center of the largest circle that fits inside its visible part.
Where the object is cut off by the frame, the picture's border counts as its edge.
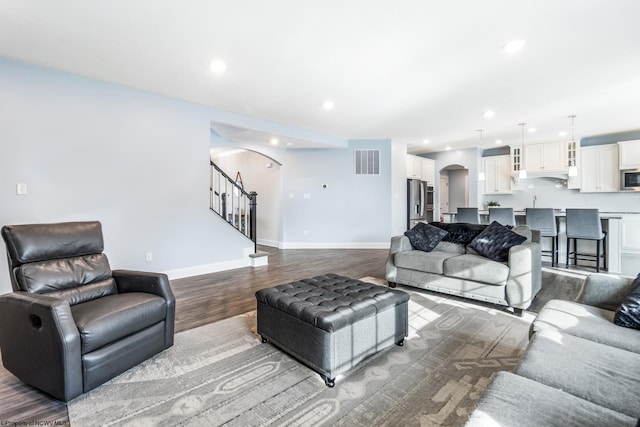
(72, 323)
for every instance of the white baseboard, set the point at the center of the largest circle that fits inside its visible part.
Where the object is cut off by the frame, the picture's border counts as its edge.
(198, 270)
(335, 245)
(270, 243)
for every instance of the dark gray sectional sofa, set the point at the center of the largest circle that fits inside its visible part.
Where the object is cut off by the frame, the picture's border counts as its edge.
(580, 368)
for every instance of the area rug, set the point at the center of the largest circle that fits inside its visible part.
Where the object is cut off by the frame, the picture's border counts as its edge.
(221, 374)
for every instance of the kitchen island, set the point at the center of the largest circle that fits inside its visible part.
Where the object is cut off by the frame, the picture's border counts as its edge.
(623, 238)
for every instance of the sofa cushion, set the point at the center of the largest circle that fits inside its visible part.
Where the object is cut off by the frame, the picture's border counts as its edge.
(476, 268)
(588, 322)
(628, 314)
(105, 320)
(425, 237)
(601, 374)
(512, 400)
(429, 262)
(495, 241)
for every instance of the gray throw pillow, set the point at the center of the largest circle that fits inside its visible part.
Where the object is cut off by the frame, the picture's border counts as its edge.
(425, 237)
(495, 241)
(628, 314)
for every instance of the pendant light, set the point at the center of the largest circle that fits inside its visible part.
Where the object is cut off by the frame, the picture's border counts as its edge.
(573, 169)
(481, 176)
(523, 171)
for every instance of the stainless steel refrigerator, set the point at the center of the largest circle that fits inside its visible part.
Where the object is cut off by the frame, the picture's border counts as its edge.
(419, 202)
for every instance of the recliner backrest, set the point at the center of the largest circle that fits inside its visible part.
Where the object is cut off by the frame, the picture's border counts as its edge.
(62, 260)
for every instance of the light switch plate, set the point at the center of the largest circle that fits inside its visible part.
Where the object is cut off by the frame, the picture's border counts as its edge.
(21, 189)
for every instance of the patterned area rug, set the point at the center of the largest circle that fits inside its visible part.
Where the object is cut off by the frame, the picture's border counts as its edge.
(221, 374)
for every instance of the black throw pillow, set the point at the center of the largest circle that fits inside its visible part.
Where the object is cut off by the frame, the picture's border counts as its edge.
(628, 314)
(495, 241)
(425, 237)
(460, 232)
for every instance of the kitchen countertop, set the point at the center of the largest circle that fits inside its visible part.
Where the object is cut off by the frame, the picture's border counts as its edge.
(559, 213)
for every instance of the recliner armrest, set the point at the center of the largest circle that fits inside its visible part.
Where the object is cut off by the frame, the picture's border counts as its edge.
(41, 343)
(151, 283)
(606, 291)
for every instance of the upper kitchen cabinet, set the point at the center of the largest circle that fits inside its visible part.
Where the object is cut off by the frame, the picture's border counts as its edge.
(599, 169)
(497, 170)
(429, 170)
(414, 167)
(629, 154)
(421, 168)
(546, 157)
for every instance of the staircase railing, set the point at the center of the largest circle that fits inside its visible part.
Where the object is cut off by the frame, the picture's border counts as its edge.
(236, 206)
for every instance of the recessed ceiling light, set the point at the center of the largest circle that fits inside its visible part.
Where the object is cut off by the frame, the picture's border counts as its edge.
(531, 130)
(563, 133)
(425, 141)
(328, 105)
(274, 141)
(448, 148)
(498, 141)
(218, 66)
(489, 113)
(514, 46)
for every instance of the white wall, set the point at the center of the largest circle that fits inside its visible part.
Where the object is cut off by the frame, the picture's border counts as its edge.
(90, 150)
(352, 211)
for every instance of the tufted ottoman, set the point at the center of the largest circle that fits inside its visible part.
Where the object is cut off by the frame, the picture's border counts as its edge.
(332, 322)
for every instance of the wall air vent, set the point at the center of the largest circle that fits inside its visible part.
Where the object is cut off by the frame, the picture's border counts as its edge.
(367, 162)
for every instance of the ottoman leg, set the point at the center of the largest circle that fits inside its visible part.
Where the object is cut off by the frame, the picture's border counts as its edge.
(330, 382)
(401, 342)
(264, 340)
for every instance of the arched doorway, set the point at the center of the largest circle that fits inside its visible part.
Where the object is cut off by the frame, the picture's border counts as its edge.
(454, 189)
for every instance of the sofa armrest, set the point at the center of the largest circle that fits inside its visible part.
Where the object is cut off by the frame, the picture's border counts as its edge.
(40, 343)
(525, 274)
(606, 291)
(398, 244)
(151, 283)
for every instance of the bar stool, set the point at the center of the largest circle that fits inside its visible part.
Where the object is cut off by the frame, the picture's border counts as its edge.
(544, 219)
(504, 216)
(584, 224)
(468, 215)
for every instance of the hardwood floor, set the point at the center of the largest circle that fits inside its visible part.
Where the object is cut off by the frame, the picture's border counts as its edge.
(205, 299)
(212, 297)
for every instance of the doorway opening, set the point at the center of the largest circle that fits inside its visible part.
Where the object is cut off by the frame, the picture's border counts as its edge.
(454, 189)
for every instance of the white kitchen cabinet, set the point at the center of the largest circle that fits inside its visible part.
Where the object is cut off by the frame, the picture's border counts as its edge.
(497, 170)
(629, 154)
(599, 171)
(429, 170)
(414, 167)
(546, 157)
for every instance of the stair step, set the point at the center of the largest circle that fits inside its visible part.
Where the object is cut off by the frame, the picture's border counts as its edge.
(259, 259)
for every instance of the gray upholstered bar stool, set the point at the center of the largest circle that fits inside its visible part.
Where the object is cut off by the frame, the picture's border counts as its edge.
(544, 219)
(468, 215)
(504, 216)
(584, 224)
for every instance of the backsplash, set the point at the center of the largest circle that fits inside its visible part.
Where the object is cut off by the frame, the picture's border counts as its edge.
(553, 193)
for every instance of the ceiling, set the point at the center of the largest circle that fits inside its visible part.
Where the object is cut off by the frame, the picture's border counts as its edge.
(407, 70)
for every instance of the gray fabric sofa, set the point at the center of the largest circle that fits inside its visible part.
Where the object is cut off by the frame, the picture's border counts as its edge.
(456, 269)
(580, 369)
